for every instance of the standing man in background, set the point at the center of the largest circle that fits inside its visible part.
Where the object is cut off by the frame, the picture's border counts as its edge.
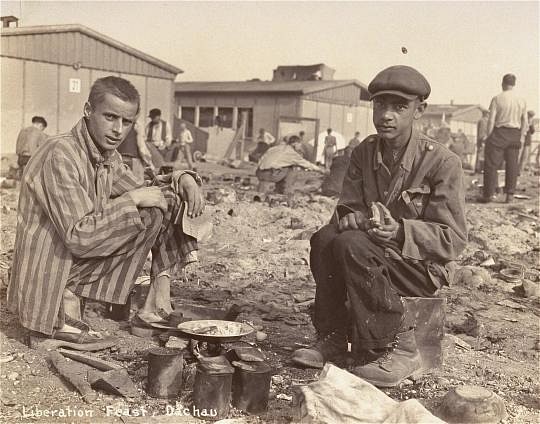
(526, 150)
(330, 143)
(481, 135)
(158, 133)
(28, 141)
(507, 126)
(186, 141)
(136, 153)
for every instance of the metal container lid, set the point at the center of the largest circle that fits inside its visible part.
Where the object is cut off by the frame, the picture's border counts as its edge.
(252, 367)
(215, 365)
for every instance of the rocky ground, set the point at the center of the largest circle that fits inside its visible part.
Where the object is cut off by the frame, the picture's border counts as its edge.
(258, 258)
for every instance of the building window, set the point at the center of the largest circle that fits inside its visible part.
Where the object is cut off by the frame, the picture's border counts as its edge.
(206, 117)
(188, 114)
(225, 115)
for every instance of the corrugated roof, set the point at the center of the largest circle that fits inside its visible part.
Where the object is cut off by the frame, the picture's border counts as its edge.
(52, 29)
(450, 110)
(299, 87)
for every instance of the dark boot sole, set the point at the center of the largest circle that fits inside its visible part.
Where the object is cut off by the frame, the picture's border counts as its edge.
(414, 376)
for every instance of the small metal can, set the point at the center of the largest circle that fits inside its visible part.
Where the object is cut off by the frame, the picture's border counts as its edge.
(212, 388)
(165, 368)
(251, 386)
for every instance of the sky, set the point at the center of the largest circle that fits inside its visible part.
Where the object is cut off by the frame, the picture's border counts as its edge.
(463, 48)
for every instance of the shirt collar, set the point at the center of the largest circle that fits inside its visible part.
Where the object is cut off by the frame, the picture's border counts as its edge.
(80, 131)
(408, 156)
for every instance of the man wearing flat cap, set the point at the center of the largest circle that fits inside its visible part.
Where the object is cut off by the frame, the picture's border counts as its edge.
(397, 228)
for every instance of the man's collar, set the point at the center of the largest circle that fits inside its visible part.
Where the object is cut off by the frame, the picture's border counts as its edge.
(408, 156)
(80, 131)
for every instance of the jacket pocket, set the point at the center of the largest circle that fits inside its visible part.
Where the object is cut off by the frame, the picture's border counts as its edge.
(416, 199)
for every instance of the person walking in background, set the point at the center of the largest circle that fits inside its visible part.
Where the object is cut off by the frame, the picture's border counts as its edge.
(185, 140)
(507, 126)
(28, 141)
(330, 146)
(355, 141)
(481, 135)
(526, 149)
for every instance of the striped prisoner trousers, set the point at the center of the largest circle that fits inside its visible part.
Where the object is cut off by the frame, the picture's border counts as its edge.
(111, 279)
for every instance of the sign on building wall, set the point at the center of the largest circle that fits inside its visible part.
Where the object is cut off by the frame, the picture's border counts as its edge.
(74, 85)
(349, 117)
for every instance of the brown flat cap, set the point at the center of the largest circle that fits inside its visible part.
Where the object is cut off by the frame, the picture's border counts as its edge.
(402, 81)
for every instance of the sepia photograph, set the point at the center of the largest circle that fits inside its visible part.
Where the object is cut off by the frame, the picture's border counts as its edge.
(249, 212)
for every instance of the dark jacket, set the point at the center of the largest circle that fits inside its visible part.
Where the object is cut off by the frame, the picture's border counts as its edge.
(426, 195)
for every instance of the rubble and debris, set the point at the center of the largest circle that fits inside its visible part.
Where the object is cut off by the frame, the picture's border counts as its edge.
(175, 342)
(511, 304)
(528, 289)
(6, 359)
(115, 381)
(72, 374)
(261, 336)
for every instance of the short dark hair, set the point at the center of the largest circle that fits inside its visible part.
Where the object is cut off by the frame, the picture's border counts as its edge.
(116, 86)
(39, 120)
(329, 130)
(154, 112)
(509, 79)
(293, 139)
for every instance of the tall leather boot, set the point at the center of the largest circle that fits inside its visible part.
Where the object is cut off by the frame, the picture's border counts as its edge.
(323, 350)
(397, 363)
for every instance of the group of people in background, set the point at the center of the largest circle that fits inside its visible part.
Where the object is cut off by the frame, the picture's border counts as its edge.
(503, 136)
(282, 162)
(154, 148)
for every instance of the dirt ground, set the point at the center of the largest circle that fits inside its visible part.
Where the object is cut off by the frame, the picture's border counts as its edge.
(256, 260)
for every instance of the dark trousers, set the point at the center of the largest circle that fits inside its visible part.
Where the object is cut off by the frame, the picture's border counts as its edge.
(349, 267)
(284, 178)
(22, 160)
(502, 146)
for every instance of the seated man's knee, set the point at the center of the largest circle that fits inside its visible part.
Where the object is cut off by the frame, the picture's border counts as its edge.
(354, 242)
(323, 237)
(151, 217)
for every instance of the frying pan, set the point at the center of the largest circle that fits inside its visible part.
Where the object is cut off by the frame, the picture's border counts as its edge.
(189, 328)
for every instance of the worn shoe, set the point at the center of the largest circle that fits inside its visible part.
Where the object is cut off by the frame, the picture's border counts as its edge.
(483, 199)
(395, 365)
(325, 349)
(509, 198)
(78, 341)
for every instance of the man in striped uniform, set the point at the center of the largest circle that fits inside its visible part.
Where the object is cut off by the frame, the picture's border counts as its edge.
(86, 224)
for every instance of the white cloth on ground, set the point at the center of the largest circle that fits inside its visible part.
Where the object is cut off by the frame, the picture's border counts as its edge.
(341, 397)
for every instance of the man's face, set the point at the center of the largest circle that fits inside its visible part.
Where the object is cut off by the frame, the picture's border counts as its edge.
(109, 121)
(393, 116)
(155, 119)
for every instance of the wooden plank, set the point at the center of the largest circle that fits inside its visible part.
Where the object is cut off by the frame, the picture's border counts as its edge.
(100, 364)
(69, 373)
